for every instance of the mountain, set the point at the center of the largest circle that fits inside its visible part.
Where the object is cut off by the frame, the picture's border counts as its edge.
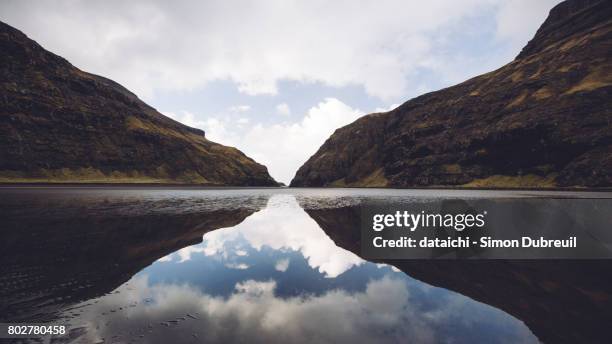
(60, 124)
(543, 120)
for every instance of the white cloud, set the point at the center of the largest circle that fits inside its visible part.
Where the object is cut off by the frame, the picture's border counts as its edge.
(159, 45)
(386, 311)
(265, 228)
(393, 49)
(237, 266)
(239, 108)
(188, 118)
(282, 265)
(164, 259)
(518, 20)
(283, 109)
(386, 109)
(282, 147)
(185, 253)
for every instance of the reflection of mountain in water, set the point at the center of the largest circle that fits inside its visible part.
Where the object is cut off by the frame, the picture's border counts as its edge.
(321, 293)
(559, 300)
(50, 263)
(58, 251)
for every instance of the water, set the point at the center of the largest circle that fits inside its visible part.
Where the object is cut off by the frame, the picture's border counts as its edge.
(187, 265)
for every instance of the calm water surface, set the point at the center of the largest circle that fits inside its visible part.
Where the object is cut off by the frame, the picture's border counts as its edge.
(155, 265)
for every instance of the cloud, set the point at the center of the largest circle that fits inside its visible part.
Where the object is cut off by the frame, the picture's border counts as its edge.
(187, 118)
(386, 109)
(518, 20)
(185, 253)
(391, 49)
(239, 108)
(152, 46)
(265, 228)
(386, 311)
(282, 147)
(283, 109)
(282, 265)
(237, 266)
(163, 259)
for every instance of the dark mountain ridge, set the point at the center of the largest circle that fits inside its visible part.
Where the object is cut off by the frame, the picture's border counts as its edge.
(60, 124)
(543, 120)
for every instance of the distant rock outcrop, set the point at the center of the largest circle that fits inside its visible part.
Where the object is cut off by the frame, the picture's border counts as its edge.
(60, 124)
(543, 120)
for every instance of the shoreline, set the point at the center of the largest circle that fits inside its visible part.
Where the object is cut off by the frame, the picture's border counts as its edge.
(204, 186)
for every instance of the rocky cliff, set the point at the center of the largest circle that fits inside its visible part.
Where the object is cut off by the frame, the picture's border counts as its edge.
(60, 124)
(543, 120)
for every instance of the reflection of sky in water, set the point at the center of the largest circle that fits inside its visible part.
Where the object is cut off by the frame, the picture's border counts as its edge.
(281, 226)
(277, 277)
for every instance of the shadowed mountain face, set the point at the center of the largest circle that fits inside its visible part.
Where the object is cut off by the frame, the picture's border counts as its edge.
(561, 301)
(60, 124)
(542, 120)
(61, 250)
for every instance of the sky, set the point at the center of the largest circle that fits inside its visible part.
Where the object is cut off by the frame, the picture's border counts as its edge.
(275, 78)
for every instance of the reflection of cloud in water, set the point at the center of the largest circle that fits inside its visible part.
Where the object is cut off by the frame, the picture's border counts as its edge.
(282, 225)
(282, 265)
(167, 258)
(384, 312)
(237, 266)
(186, 252)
